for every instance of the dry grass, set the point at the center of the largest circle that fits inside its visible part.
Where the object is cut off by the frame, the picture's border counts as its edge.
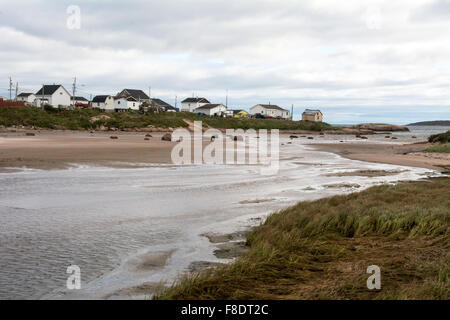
(80, 119)
(321, 249)
(443, 148)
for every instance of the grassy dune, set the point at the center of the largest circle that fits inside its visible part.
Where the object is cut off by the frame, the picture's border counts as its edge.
(321, 250)
(445, 148)
(441, 138)
(79, 119)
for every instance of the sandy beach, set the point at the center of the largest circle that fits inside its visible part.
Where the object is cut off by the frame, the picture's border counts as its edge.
(61, 149)
(405, 155)
(58, 150)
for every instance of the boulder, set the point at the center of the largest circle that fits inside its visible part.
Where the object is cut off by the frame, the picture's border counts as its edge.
(98, 118)
(114, 137)
(167, 137)
(380, 127)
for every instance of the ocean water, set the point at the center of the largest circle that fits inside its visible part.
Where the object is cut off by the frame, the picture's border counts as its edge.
(106, 220)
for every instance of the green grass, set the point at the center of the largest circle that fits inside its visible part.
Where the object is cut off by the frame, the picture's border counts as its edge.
(321, 249)
(79, 119)
(445, 148)
(441, 138)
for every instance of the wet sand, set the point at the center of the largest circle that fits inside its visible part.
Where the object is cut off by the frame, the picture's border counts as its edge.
(405, 155)
(60, 150)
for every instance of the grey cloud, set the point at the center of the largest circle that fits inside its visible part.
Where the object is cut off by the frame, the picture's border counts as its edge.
(292, 52)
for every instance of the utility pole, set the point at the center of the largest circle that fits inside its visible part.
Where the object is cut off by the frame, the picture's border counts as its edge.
(17, 88)
(74, 88)
(150, 92)
(175, 102)
(292, 112)
(226, 100)
(10, 88)
(43, 95)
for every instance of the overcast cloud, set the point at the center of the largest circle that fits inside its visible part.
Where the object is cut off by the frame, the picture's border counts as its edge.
(359, 61)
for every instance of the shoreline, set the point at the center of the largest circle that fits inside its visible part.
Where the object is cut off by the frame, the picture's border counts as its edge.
(409, 155)
(50, 150)
(61, 150)
(324, 272)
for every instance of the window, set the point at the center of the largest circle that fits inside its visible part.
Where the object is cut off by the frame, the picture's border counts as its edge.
(118, 102)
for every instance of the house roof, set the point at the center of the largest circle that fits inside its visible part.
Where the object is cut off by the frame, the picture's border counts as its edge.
(79, 98)
(135, 93)
(209, 106)
(130, 98)
(311, 112)
(203, 100)
(160, 103)
(101, 98)
(49, 89)
(25, 94)
(271, 106)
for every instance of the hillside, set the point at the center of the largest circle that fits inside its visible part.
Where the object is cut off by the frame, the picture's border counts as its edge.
(431, 123)
(89, 119)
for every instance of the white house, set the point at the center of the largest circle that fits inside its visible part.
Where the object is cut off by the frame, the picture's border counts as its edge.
(55, 95)
(190, 104)
(212, 109)
(28, 98)
(103, 102)
(270, 111)
(124, 104)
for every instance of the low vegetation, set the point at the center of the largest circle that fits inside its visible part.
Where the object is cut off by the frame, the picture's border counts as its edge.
(80, 119)
(321, 250)
(445, 148)
(441, 138)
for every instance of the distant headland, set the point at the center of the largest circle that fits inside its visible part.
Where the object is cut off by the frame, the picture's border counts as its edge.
(431, 123)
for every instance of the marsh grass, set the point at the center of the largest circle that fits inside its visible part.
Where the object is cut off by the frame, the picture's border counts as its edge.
(444, 148)
(321, 249)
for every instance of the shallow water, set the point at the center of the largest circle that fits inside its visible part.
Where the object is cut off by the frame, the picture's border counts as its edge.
(108, 221)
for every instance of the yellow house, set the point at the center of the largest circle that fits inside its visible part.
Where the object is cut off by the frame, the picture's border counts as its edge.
(240, 114)
(312, 115)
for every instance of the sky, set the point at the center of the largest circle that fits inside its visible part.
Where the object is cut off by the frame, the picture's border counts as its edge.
(357, 61)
